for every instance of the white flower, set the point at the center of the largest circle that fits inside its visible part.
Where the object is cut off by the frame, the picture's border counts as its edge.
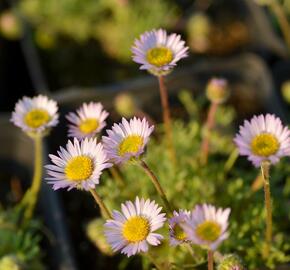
(132, 230)
(80, 165)
(127, 140)
(177, 233)
(263, 138)
(207, 226)
(158, 52)
(35, 115)
(87, 121)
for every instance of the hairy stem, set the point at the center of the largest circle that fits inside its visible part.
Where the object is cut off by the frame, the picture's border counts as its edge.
(210, 260)
(167, 118)
(31, 196)
(210, 122)
(157, 185)
(104, 210)
(265, 169)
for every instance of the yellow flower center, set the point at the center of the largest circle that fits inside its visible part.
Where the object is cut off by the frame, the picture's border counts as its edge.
(79, 168)
(88, 125)
(179, 233)
(36, 118)
(131, 144)
(159, 56)
(265, 145)
(136, 229)
(208, 231)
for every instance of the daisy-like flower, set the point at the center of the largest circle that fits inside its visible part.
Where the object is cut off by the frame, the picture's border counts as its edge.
(132, 230)
(176, 232)
(35, 115)
(87, 121)
(127, 140)
(80, 165)
(207, 226)
(158, 52)
(263, 138)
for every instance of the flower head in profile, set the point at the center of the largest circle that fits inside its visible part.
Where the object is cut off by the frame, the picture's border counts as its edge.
(207, 226)
(263, 138)
(132, 230)
(80, 165)
(158, 52)
(87, 121)
(176, 232)
(35, 115)
(127, 140)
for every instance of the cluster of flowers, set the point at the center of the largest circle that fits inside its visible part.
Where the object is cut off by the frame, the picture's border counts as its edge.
(80, 164)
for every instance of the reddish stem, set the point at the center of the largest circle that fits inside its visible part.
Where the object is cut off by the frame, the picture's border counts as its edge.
(210, 122)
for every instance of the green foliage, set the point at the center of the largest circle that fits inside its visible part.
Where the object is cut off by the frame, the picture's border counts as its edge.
(189, 183)
(20, 243)
(114, 23)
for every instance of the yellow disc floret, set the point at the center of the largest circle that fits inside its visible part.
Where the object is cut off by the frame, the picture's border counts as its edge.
(88, 125)
(79, 168)
(130, 144)
(208, 231)
(179, 233)
(136, 229)
(159, 56)
(36, 118)
(265, 145)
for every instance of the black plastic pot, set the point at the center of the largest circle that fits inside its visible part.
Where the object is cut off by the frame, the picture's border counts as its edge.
(16, 159)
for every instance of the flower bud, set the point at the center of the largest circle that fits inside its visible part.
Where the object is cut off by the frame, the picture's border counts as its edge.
(10, 262)
(285, 89)
(10, 26)
(125, 105)
(217, 90)
(95, 232)
(231, 262)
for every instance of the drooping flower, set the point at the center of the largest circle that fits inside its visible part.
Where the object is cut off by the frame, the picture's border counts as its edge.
(176, 232)
(263, 138)
(87, 121)
(35, 115)
(207, 226)
(133, 230)
(127, 140)
(158, 52)
(80, 165)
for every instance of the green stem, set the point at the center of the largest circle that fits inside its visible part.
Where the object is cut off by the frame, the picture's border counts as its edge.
(265, 169)
(153, 260)
(157, 185)
(104, 210)
(167, 118)
(231, 160)
(210, 122)
(117, 176)
(282, 19)
(210, 260)
(30, 198)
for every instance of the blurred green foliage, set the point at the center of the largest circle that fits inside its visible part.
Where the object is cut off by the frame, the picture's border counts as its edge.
(190, 183)
(20, 244)
(114, 23)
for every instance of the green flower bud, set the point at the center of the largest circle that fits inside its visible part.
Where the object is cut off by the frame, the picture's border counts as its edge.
(217, 90)
(95, 232)
(285, 89)
(231, 262)
(125, 105)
